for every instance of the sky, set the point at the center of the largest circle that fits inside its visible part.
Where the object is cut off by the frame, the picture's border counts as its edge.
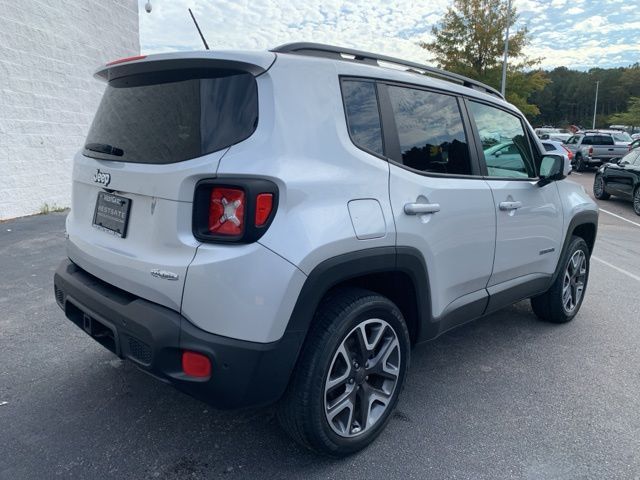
(578, 34)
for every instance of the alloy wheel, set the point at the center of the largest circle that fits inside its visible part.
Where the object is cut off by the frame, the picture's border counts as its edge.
(362, 378)
(575, 276)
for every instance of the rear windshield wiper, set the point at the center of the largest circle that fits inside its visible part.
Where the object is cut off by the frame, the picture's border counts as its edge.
(104, 148)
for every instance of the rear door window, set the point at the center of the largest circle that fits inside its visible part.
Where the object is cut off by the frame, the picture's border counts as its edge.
(507, 152)
(430, 131)
(363, 117)
(169, 117)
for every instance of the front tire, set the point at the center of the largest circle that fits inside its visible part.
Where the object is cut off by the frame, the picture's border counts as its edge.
(599, 188)
(349, 375)
(636, 200)
(562, 301)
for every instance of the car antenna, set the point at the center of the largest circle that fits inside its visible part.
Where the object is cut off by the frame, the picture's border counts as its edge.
(199, 31)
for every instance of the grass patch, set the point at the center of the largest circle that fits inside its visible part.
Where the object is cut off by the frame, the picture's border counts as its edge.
(46, 208)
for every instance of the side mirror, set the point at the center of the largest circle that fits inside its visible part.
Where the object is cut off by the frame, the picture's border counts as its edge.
(497, 154)
(551, 169)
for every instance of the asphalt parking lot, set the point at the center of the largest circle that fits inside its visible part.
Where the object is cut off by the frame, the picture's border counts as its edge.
(503, 397)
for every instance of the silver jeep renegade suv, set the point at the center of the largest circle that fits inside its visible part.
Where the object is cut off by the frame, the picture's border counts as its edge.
(283, 226)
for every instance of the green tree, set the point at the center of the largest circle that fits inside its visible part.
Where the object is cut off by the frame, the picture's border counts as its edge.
(631, 116)
(469, 40)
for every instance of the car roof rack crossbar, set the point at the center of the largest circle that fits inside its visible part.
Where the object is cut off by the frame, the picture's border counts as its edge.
(348, 54)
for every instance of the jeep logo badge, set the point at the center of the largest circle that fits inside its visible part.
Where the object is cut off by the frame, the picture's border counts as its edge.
(102, 178)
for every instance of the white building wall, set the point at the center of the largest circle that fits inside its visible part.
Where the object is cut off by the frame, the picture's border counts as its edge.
(49, 50)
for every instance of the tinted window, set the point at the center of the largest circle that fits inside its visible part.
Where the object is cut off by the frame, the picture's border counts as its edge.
(363, 118)
(572, 140)
(504, 142)
(148, 119)
(587, 141)
(603, 140)
(430, 131)
(548, 147)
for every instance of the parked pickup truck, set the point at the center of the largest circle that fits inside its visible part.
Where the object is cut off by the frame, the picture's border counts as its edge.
(593, 149)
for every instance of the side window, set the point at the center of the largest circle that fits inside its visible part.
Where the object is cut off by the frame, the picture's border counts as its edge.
(506, 150)
(572, 140)
(548, 147)
(430, 131)
(363, 117)
(605, 140)
(587, 141)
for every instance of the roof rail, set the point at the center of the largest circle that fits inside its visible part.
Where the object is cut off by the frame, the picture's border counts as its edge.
(348, 54)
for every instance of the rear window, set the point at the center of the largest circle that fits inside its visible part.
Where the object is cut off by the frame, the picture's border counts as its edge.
(161, 118)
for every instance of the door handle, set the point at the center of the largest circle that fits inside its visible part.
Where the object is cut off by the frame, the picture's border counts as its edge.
(420, 208)
(510, 205)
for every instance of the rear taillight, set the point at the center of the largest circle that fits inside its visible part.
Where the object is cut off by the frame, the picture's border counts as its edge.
(590, 151)
(236, 210)
(264, 205)
(569, 152)
(226, 211)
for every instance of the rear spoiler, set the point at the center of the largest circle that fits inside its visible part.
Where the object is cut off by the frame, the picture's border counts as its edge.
(255, 64)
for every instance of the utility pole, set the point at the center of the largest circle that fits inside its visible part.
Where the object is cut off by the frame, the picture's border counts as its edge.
(595, 106)
(506, 50)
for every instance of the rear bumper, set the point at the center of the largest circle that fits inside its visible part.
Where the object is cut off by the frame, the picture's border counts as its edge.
(153, 337)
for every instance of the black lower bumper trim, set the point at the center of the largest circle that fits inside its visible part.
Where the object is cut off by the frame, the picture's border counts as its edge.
(153, 337)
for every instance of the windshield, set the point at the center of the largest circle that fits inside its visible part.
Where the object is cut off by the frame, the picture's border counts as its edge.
(153, 119)
(622, 137)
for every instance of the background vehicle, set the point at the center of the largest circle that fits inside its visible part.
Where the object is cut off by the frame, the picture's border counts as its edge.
(255, 227)
(634, 144)
(621, 179)
(619, 137)
(593, 149)
(558, 148)
(558, 134)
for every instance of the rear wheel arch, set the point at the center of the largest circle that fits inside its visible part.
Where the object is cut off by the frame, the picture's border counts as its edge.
(584, 225)
(399, 274)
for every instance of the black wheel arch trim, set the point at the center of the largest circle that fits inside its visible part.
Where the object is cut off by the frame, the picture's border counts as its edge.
(586, 217)
(348, 266)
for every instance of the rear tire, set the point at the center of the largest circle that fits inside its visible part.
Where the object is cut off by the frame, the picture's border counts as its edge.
(356, 355)
(562, 301)
(599, 188)
(636, 200)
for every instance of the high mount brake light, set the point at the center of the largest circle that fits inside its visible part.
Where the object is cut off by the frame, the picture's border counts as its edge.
(233, 210)
(126, 59)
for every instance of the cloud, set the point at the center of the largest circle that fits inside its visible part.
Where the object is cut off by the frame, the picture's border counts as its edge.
(392, 27)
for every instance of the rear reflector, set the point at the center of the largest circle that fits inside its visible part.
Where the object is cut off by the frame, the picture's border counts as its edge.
(226, 211)
(264, 204)
(126, 59)
(196, 364)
